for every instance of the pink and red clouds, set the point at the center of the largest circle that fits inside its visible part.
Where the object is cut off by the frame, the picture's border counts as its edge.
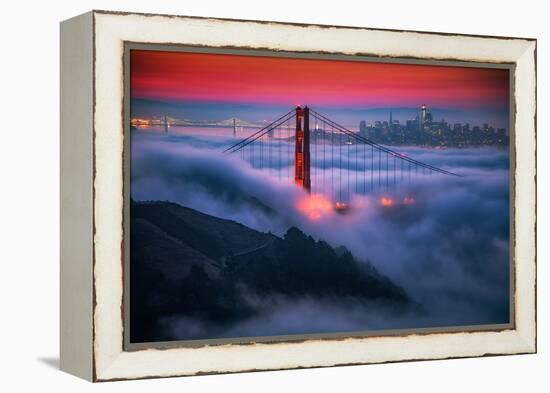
(182, 76)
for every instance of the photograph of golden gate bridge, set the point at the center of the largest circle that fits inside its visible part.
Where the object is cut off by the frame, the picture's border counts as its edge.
(286, 196)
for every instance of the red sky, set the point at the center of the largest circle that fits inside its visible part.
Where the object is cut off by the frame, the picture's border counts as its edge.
(181, 76)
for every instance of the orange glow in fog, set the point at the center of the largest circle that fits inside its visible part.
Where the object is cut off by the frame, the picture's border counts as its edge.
(386, 201)
(341, 207)
(314, 206)
(408, 201)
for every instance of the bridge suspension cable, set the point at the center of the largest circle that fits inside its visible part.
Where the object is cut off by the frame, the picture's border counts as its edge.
(328, 158)
(258, 134)
(380, 148)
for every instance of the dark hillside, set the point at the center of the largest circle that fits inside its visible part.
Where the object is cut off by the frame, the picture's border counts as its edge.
(186, 264)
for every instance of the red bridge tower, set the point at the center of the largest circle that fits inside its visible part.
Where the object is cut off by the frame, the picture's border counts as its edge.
(301, 152)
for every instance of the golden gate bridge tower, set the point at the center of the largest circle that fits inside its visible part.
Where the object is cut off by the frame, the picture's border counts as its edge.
(302, 162)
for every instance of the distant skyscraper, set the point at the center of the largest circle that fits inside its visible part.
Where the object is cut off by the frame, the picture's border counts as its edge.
(391, 119)
(363, 127)
(422, 116)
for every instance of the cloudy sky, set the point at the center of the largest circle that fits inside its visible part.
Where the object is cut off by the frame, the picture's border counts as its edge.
(215, 87)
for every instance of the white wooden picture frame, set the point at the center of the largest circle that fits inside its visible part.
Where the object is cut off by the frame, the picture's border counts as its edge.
(92, 195)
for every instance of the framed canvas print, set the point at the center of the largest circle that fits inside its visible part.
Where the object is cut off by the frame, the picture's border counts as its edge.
(247, 195)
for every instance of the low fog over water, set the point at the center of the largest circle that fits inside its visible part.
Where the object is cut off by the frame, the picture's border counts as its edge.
(443, 239)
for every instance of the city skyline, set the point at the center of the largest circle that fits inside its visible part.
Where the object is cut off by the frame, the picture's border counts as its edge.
(400, 115)
(423, 130)
(427, 130)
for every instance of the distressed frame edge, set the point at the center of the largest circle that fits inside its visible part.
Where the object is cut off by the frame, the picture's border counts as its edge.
(526, 225)
(76, 196)
(528, 339)
(303, 24)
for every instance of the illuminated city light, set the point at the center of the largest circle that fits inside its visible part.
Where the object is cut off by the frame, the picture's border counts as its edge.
(341, 207)
(425, 130)
(386, 201)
